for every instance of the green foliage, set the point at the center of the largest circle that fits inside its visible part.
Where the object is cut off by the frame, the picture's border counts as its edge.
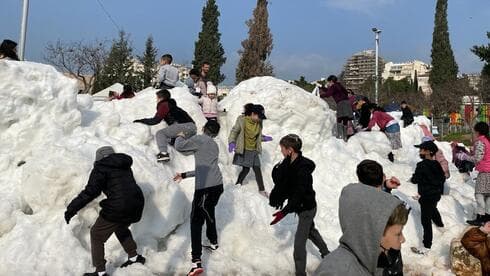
(257, 48)
(118, 65)
(149, 61)
(304, 84)
(208, 46)
(444, 67)
(483, 52)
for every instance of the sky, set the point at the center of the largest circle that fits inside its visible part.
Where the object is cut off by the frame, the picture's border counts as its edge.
(312, 38)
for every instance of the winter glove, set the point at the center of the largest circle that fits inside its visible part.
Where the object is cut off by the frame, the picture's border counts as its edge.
(231, 147)
(266, 138)
(68, 216)
(278, 216)
(462, 156)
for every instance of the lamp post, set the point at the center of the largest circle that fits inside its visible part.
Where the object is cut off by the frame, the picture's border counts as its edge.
(376, 80)
(23, 29)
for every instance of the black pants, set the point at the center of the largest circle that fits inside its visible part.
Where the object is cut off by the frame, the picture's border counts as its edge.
(258, 176)
(429, 214)
(100, 232)
(203, 210)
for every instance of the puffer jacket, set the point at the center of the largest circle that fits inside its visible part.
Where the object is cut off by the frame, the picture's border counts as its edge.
(478, 245)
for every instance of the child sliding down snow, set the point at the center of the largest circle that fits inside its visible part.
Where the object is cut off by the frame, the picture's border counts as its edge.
(294, 183)
(246, 141)
(177, 120)
(123, 206)
(208, 189)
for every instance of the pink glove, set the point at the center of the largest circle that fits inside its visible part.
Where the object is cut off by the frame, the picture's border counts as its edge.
(231, 147)
(266, 138)
(462, 156)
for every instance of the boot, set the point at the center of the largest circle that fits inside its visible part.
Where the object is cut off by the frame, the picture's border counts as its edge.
(391, 157)
(479, 221)
(340, 131)
(345, 135)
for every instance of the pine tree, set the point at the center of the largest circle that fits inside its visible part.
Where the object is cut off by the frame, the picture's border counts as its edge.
(257, 47)
(119, 64)
(149, 61)
(208, 47)
(444, 67)
(483, 52)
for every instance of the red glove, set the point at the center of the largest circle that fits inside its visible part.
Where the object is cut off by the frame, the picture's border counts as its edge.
(278, 216)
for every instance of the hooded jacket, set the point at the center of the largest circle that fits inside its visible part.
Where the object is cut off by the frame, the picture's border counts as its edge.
(112, 175)
(237, 135)
(294, 182)
(430, 178)
(363, 214)
(336, 91)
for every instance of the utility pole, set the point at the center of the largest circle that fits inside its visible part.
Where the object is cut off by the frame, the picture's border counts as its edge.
(23, 29)
(376, 80)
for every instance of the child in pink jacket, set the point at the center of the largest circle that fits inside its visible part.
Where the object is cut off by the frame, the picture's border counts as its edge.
(388, 125)
(209, 103)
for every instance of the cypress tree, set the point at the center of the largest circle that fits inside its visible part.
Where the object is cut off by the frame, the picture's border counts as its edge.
(257, 47)
(149, 61)
(208, 47)
(415, 82)
(483, 52)
(444, 67)
(119, 64)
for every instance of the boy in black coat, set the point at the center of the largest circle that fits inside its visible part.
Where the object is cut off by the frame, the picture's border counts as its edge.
(407, 115)
(294, 182)
(123, 206)
(430, 179)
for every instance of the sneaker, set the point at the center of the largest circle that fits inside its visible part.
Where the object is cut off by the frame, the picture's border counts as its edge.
(196, 268)
(139, 259)
(420, 250)
(264, 193)
(163, 157)
(211, 246)
(391, 157)
(96, 274)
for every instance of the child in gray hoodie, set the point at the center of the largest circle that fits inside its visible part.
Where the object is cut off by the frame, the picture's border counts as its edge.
(208, 189)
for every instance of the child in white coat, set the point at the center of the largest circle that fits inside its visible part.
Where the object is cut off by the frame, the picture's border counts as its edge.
(209, 103)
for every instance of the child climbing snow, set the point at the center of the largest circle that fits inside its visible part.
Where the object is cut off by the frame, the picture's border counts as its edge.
(245, 140)
(388, 125)
(293, 182)
(123, 206)
(208, 189)
(177, 120)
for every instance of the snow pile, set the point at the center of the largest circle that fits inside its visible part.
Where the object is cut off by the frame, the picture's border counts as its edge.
(44, 123)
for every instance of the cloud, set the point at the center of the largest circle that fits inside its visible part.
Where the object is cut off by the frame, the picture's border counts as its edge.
(362, 6)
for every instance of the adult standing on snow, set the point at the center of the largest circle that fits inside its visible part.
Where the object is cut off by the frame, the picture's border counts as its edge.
(123, 206)
(388, 125)
(8, 50)
(481, 158)
(208, 189)
(294, 183)
(176, 118)
(344, 108)
(245, 140)
(372, 234)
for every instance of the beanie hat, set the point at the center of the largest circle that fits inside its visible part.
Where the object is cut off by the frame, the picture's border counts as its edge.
(103, 152)
(211, 89)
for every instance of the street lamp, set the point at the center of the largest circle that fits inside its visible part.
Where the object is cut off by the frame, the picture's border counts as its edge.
(23, 29)
(376, 33)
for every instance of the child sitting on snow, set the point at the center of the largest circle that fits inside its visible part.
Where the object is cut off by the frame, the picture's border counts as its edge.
(208, 189)
(461, 158)
(192, 82)
(209, 103)
(123, 206)
(430, 179)
(176, 118)
(168, 76)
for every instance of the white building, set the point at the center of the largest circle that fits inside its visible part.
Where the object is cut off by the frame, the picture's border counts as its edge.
(399, 71)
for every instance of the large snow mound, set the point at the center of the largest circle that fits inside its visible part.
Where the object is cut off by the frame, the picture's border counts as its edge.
(55, 132)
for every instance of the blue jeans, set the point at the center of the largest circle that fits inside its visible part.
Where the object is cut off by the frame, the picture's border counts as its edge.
(393, 128)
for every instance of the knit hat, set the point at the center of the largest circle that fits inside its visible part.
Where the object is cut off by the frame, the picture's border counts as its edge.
(103, 152)
(211, 89)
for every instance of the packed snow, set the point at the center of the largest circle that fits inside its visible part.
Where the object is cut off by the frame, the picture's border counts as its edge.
(44, 123)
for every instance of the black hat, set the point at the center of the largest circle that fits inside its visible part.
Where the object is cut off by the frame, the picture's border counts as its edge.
(428, 145)
(259, 110)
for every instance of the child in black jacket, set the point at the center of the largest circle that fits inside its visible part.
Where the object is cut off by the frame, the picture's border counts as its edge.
(430, 179)
(123, 206)
(294, 182)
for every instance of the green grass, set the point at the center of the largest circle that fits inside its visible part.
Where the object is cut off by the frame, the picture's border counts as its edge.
(464, 138)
